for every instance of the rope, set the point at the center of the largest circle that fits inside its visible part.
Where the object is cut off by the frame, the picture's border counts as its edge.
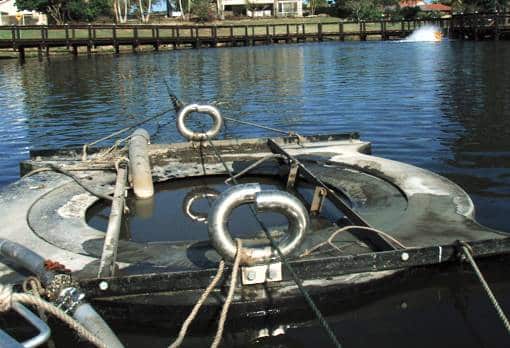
(347, 228)
(200, 302)
(289, 133)
(230, 295)
(284, 260)
(90, 190)
(466, 249)
(120, 131)
(224, 311)
(8, 297)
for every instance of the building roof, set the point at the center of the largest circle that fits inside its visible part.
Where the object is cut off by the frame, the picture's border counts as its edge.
(411, 3)
(436, 7)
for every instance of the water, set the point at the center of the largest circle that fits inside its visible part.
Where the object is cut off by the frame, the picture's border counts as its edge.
(442, 106)
(425, 34)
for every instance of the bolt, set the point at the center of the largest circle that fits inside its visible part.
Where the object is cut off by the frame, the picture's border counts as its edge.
(403, 305)
(103, 286)
(251, 275)
(404, 256)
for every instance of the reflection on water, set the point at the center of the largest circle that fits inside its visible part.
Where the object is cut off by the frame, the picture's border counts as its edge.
(443, 106)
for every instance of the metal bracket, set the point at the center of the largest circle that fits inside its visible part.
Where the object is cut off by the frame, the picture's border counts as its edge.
(293, 172)
(69, 299)
(319, 195)
(261, 274)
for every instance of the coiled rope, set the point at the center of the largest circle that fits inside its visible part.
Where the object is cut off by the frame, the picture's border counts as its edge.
(8, 297)
(467, 252)
(224, 311)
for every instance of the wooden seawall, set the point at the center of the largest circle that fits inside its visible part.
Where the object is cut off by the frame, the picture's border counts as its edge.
(72, 37)
(90, 36)
(480, 26)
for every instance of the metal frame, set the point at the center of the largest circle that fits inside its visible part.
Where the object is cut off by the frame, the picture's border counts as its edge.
(307, 269)
(372, 238)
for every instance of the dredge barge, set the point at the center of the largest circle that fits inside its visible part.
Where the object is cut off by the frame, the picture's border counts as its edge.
(351, 219)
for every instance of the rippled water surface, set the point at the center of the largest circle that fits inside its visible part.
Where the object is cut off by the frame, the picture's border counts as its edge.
(442, 106)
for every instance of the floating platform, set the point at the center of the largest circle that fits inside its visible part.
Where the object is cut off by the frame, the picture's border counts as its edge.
(334, 177)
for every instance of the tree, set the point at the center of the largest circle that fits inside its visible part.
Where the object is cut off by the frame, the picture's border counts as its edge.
(120, 10)
(62, 11)
(364, 9)
(53, 8)
(201, 9)
(314, 4)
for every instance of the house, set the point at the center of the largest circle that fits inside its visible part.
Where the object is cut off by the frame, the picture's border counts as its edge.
(436, 8)
(9, 14)
(260, 8)
(411, 3)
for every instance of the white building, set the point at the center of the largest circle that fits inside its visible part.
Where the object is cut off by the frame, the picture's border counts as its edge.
(260, 8)
(9, 14)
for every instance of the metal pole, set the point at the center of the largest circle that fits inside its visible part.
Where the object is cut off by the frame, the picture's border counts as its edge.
(111, 240)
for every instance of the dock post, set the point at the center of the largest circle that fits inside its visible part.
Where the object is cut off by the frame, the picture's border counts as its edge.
(246, 40)
(341, 31)
(319, 31)
(47, 51)
(74, 50)
(39, 53)
(214, 36)
(21, 51)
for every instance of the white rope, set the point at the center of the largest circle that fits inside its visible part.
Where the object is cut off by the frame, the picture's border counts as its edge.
(347, 228)
(8, 297)
(224, 311)
(230, 295)
(194, 311)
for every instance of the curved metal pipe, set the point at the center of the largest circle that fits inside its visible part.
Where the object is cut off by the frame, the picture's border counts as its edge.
(210, 110)
(81, 311)
(271, 200)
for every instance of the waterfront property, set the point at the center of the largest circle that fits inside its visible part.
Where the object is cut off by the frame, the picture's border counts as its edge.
(261, 8)
(472, 26)
(11, 15)
(90, 36)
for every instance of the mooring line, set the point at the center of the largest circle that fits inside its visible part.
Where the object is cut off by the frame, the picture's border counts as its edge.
(284, 260)
(466, 249)
(121, 131)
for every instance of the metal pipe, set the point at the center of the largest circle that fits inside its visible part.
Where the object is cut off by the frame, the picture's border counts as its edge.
(271, 200)
(139, 164)
(26, 258)
(111, 240)
(89, 318)
(70, 298)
